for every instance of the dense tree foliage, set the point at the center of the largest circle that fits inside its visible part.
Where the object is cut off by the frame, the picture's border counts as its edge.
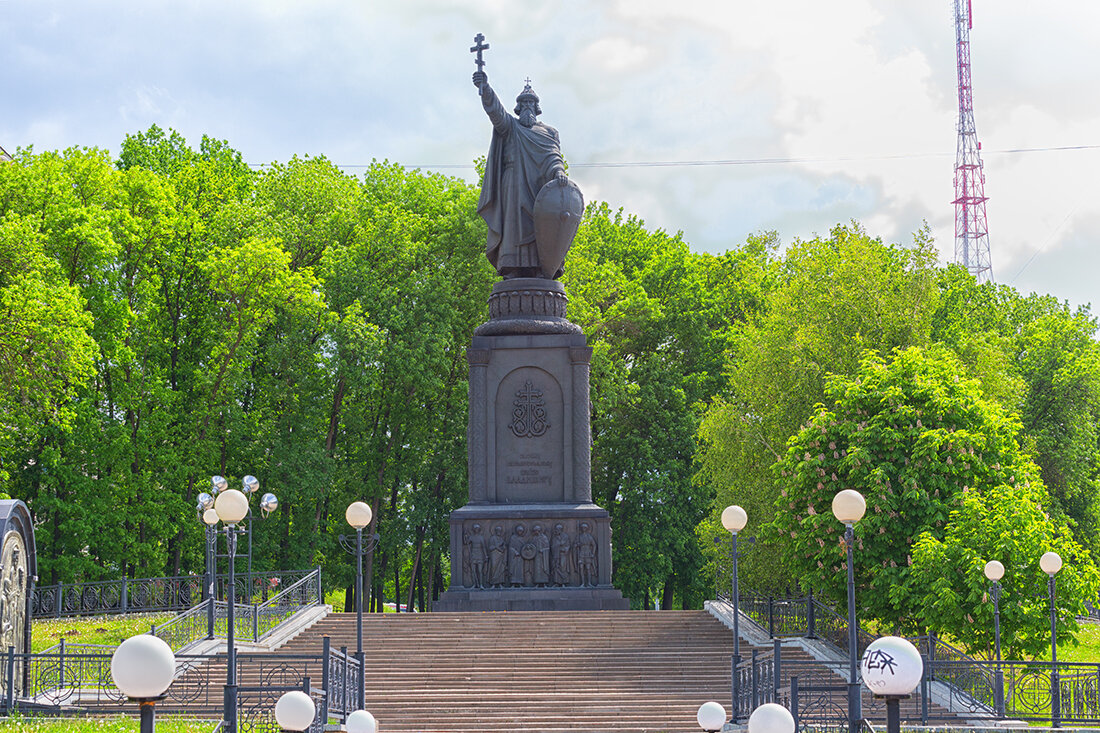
(172, 313)
(310, 327)
(916, 438)
(1006, 523)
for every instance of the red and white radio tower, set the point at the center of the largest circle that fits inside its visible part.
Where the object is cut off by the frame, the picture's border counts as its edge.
(971, 229)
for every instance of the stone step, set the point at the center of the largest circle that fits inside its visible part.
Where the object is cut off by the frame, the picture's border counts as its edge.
(555, 672)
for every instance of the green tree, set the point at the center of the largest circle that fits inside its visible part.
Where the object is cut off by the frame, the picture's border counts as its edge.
(911, 434)
(823, 305)
(1004, 523)
(657, 317)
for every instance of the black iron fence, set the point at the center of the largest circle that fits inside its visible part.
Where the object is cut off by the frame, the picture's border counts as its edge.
(138, 595)
(79, 683)
(954, 683)
(950, 690)
(252, 621)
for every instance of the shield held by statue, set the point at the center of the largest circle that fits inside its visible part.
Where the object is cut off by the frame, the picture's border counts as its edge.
(557, 215)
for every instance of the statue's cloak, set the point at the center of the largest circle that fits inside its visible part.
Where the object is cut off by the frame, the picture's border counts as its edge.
(520, 161)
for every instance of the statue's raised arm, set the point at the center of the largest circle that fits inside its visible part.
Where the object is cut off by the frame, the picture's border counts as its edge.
(531, 207)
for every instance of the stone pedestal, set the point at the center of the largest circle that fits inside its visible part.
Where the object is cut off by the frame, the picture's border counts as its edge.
(530, 537)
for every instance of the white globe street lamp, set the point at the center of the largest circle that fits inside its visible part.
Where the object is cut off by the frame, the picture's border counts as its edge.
(711, 717)
(771, 718)
(143, 667)
(361, 721)
(848, 508)
(1051, 563)
(892, 669)
(230, 507)
(994, 570)
(359, 516)
(295, 711)
(734, 519)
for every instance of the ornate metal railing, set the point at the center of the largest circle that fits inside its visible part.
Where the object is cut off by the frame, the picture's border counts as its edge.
(965, 689)
(81, 684)
(252, 622)
(753, 677)
(139, 595)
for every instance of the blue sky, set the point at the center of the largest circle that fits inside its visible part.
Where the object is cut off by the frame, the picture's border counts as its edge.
(862, 94)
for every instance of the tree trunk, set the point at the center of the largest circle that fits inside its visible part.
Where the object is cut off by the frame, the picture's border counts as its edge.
(415, 572)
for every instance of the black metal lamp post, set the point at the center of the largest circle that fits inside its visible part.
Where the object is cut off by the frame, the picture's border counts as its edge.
(994, 571)
(848, 508)
(734, 520)
(231, 507)
(142, 667)
(359, 515)
(209, 518)
(1051, 563)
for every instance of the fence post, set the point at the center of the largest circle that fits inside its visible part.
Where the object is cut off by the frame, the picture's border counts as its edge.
(9, 688)
(771, 617)
(775, 671)
(255, 622)
(924, 690)
(61, 663)
(124, 601)
(811, 617)
(755, 682)
(794, 700)
(60, 595)
(326, 681)
(345, 686)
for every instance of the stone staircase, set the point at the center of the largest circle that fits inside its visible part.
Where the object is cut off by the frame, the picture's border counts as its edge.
(639, 671)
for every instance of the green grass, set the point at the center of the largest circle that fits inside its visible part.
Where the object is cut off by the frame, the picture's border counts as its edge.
(1087, 648)
(114, 724)
(107, 630)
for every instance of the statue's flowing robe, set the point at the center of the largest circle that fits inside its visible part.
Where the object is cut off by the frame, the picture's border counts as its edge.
(521, 160)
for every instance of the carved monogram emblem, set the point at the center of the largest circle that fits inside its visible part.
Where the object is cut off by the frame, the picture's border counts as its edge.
(529, 413)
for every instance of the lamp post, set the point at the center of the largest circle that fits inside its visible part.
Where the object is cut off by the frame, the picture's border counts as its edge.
(1051, 563)
(771, 718)
(848, 508)
(209, 517)
(360, 721)
(359, 515)
(994, 571)
(231, 507)
(892, 669)
(734, 520)
(142, 667)
(295, 711)
(711, 717)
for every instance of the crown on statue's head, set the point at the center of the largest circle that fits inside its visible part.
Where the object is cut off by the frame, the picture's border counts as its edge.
(528, 95)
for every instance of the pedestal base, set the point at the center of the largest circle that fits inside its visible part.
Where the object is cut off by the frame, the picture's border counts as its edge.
(532, 599)
(530, 557)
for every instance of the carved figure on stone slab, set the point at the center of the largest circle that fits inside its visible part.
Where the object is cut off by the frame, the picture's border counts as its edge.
(498, 554)
(584, 550)
(525, 187)
(517, 544)
(478, 556)
(561, 549)
(542, 558)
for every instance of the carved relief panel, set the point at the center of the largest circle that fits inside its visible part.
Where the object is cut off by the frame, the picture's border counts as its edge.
(529, 437)
(530, 553)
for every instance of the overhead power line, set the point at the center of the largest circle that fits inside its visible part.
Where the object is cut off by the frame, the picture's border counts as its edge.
(741, 161)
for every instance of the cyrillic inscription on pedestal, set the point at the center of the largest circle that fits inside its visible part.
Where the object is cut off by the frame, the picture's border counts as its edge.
(529, 430)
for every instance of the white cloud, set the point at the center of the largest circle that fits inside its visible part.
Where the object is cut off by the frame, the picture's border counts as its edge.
(865, 89)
